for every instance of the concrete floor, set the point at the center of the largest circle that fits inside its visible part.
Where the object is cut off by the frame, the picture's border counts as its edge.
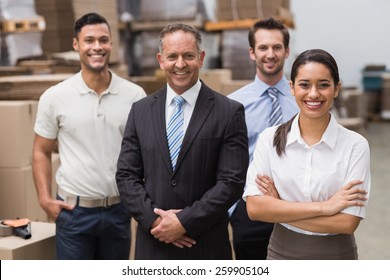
(373, 233)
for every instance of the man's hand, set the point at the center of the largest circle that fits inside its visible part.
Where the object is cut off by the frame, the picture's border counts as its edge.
(53, 207)
(167, 228)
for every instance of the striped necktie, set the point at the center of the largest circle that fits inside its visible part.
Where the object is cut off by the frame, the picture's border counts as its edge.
(175, 131)
(275, 117)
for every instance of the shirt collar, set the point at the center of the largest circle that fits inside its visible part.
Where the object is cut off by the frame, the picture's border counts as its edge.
(190, 95)
(282, 86)
(113, 87)
(329, 137)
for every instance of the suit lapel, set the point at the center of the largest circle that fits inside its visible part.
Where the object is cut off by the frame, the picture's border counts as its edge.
(204, 104)
(158, 118)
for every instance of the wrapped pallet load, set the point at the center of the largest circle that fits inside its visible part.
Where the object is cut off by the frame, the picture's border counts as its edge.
(20, 32)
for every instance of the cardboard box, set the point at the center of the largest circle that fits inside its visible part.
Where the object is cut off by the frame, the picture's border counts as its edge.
(240, 9)
(18, 196)
(28, 87)
(230, 86)
(214, 78)
(41, 245)
(16, 132)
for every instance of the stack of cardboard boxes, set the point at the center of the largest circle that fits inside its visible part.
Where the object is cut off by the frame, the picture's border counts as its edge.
(18, 198)
(234, 49)
(59, 18)
(385, 102)
(236, 9)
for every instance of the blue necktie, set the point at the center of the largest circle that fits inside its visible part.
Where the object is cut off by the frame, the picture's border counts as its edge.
(275, 117)
(175, 131)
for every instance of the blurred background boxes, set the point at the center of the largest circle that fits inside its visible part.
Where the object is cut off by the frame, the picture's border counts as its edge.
(171, 10)
(244, 9)
(18, 196)
(16, 132)
(236, 56)
(21, 31)
(28, 87)
(59, 16)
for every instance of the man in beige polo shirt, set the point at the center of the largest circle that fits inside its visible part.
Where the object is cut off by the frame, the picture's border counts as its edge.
(87, 114)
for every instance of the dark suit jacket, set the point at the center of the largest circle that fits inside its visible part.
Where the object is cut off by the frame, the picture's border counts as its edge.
(210, 173)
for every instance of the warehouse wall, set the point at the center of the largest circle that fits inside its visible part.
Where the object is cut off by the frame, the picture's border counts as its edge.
(356, 32)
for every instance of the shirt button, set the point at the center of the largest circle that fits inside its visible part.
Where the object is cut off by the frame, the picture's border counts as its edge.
(173, 182)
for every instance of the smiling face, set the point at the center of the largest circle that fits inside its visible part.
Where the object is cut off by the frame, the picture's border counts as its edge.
(314, 90)
(181, 60)
(269, 54)
(94, 45)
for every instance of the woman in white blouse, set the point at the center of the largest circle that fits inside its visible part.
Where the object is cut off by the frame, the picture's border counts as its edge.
(310, 176)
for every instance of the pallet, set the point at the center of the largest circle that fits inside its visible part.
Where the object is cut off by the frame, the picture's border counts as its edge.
(237, 24)
(23, 25)
(159, 25)
(229, 24)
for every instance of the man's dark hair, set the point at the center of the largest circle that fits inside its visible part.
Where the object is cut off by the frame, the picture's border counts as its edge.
(269, 23)
(88, 19)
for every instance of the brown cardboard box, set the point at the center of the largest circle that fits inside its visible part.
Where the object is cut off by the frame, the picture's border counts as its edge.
(149, 83)
(28, 87)
(240, 9)
(18, 197)
(41, 245)
(16, 132)
(214, 78)
(229, 86)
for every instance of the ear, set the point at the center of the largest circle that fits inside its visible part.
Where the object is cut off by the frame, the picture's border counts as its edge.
(292, 88)
(160, 60)
(201, 58)
(287, 53)
(75, 44)
(337, 90)
(252, 54)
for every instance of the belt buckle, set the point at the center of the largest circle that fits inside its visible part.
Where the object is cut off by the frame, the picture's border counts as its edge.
(106, 202)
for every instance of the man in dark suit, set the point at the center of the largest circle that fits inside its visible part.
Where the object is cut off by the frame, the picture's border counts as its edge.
(180, 192)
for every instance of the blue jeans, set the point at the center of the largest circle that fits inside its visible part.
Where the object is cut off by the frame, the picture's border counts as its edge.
(93, 233)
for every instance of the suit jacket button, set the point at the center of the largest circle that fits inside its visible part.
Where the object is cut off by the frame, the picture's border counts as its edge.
(173, 182)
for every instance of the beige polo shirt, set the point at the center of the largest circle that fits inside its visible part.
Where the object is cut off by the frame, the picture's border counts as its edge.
(89, 129)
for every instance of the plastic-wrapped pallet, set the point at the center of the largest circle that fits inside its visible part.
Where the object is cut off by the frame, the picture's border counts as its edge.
(19, 40)
(235, 54)
(172, 10)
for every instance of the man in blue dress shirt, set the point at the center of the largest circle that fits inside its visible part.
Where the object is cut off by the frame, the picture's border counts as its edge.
(269, 47)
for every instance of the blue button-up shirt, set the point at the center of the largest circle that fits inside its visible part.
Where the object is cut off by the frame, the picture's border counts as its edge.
(258, 106)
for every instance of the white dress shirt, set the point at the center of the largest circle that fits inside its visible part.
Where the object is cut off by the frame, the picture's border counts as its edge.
(190, 96)
(312, 173)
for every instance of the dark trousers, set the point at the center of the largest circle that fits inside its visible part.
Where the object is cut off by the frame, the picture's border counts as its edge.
(93, 233)
(250, 238)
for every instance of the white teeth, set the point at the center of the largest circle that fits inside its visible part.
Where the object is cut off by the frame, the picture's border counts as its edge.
(313, 103)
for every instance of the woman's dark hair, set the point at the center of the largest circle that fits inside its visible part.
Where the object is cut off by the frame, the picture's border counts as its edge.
(88, 19)
(313, 55)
